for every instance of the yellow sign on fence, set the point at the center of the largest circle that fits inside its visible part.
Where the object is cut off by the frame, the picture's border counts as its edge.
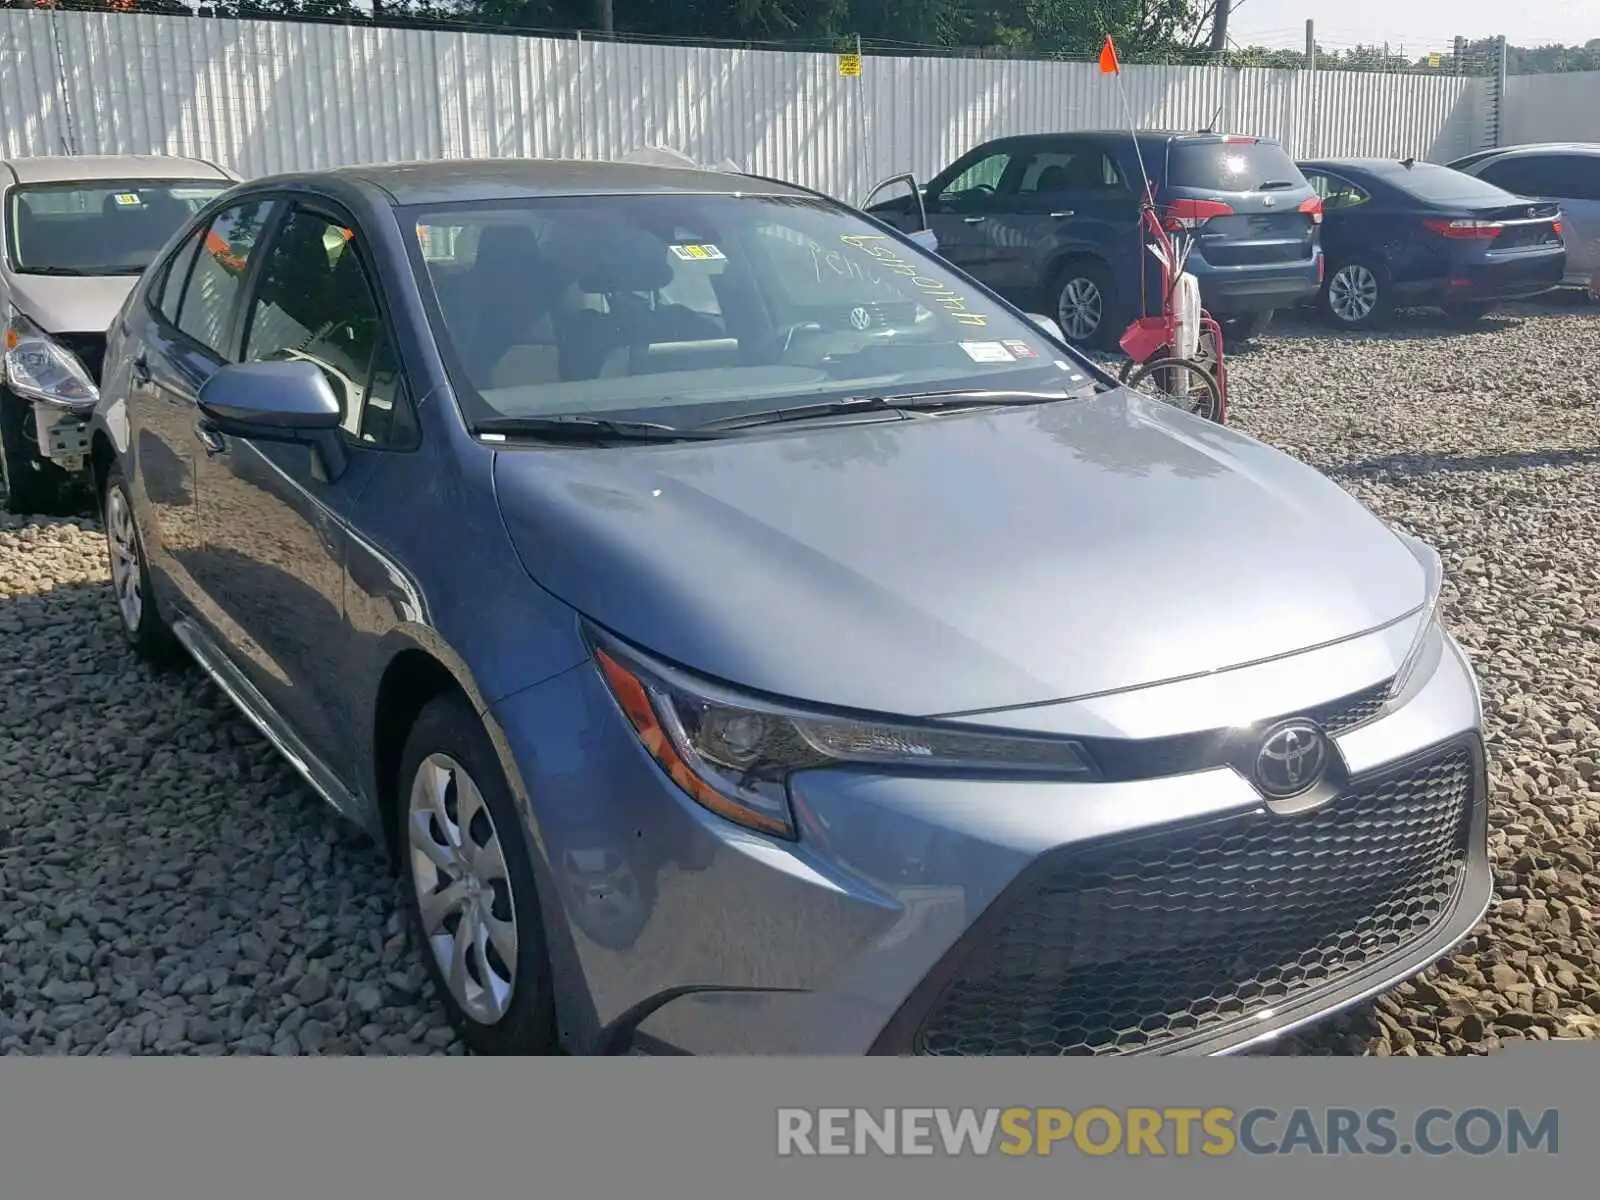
(850, 65)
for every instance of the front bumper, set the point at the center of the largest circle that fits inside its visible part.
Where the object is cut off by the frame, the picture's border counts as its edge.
(1165, 914)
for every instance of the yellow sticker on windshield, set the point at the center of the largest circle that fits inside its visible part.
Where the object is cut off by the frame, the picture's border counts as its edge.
(127, 199)
(698, 253)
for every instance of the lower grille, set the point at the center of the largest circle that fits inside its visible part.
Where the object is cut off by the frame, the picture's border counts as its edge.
(1134, 945)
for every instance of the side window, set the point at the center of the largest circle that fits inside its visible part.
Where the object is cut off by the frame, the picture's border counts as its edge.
(213, 290)
(177, 275)
(1520, 176)
(1046, 173)
(315, 303)
(1579, 176)
(977, 182)
(1335, 192)
(1055, 172)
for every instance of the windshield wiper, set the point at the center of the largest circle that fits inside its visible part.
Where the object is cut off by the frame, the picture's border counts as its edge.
(51, 271)
(908, 402)
(576, 427)
(1276, 185)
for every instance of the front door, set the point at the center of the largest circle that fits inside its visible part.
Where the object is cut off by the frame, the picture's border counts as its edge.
(961, 207)
(275, 515)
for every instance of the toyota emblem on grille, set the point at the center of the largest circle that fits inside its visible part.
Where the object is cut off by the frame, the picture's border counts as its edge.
(860, 318)
(1292, 758)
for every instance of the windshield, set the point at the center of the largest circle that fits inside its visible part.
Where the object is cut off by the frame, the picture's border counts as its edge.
(681, 309)
(103, 227)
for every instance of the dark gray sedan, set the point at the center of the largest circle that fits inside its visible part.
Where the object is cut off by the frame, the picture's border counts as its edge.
(750, 634)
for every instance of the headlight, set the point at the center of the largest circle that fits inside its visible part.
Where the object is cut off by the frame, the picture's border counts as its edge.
(1433, 570)
(37, 368)
(734, 756)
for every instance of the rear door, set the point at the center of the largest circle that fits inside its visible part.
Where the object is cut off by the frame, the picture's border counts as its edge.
(1249, 204)
(186, 341)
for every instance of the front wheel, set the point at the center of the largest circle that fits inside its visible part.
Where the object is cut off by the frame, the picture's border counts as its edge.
(1356, 296)
(1181, 382)
(472, 897)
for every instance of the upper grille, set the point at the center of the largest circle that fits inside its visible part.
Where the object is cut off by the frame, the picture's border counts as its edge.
(1340, 715)
(1134, 945)
(1153, 758)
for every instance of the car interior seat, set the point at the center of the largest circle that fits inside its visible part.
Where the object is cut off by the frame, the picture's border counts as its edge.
(507, 337)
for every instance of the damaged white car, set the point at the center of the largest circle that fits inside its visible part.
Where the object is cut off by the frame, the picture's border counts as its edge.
(77, 234)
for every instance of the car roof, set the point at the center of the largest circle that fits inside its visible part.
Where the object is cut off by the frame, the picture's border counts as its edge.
(1145, 135)
(483, 179)
(66, 168)
(1587, 149)
(1376, 165)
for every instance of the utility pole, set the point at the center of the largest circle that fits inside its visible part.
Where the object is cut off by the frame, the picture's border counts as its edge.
(1311, 45)
(1219, 26)
(607, 17)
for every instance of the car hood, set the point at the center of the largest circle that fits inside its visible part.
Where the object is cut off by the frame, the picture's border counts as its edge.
(956, 563)
(71, 303)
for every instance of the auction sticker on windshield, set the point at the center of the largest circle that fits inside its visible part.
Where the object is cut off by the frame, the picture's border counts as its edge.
(705, 253)
(1019, 348)
(989, 352)
(128, 199)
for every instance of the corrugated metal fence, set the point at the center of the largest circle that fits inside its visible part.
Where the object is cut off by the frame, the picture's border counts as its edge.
(267, 96)
(1552, 108)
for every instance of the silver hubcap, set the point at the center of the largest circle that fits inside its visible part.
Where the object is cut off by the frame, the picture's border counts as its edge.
(1353, 293)
(124, 545)
(463, 891)
(1081, 308)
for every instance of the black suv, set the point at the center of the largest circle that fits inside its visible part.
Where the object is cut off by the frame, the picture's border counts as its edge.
(1052, 221)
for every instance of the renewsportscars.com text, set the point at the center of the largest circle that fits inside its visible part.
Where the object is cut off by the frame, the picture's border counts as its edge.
(1164, 1132)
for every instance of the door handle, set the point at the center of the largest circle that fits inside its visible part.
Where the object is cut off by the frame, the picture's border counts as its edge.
(1063, 214)
(206, 433)
(973, 220)
(141, 370)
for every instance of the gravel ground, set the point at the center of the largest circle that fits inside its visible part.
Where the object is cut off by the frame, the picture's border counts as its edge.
(167, 886)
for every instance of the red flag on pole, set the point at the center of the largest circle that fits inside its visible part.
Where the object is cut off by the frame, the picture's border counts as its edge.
(1108, 58)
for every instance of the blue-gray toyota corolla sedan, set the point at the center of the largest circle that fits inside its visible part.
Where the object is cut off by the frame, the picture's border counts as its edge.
(749, 635)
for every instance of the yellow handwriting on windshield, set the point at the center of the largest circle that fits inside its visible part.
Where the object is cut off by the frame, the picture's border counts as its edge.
(881, 250)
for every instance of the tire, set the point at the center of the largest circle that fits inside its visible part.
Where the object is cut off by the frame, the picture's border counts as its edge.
(1199, 386)
(1244, 326)
(1078, 289)
(32, 484)
(502, 1002)
(144, 626)
(1467, 315)
(1368, 281)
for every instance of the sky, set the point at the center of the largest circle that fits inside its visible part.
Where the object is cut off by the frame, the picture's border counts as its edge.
(1419, 24)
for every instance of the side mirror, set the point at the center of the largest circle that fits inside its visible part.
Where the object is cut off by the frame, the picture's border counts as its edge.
(1048, 325)
(274, 402)
(926, 239)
